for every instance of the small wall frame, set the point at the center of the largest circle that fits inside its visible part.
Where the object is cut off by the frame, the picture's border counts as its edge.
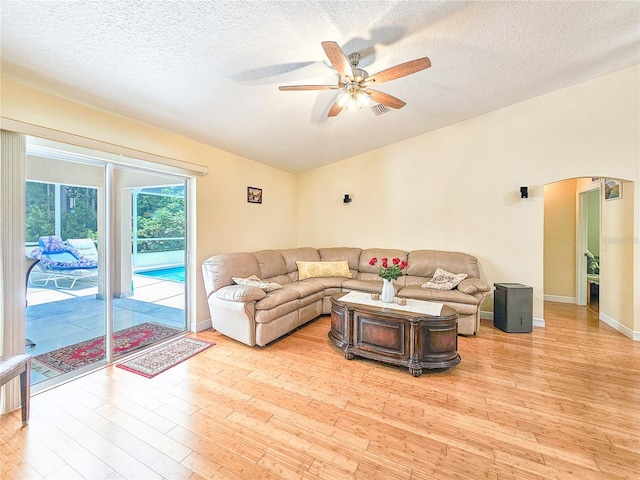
(254, 195)
(612, 189)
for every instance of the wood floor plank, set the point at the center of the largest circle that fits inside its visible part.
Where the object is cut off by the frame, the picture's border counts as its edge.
(558, 403)
(356, 455)
(283, 468)
(145, 432)
(70, 449)
(28, 454)
(228, 460)
(295, 440)
(157, 461)
(206, 468)
(323, 421)
(67, 473)
(111, 453)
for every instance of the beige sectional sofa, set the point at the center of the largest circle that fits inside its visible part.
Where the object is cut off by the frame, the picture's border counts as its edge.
(254, 316)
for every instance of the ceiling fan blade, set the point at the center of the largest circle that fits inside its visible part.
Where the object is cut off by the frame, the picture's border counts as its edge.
(401, 70)
(335, 110)
(385, 99)
(308, 87)
(338, 59)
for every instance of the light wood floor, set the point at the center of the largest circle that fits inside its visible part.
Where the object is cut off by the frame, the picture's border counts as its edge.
(560, 403)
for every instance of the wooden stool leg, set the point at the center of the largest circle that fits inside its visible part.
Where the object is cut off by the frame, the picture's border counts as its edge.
(25, 392)
(10, 367)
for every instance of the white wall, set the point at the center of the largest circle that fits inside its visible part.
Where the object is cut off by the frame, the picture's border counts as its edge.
(457, 188)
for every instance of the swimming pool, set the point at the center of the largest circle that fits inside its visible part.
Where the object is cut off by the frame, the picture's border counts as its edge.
(175, 274)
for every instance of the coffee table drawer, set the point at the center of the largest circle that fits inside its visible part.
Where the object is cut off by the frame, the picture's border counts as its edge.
(380, 335)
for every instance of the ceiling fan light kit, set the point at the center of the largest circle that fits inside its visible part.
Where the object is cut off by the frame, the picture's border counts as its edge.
(355, 82)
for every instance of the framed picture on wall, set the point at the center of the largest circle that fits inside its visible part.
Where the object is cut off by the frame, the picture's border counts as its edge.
(612, 189)
(254, 195)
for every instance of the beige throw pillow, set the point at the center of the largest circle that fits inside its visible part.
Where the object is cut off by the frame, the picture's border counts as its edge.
(323, 269)
(443, 280)
(254, 281)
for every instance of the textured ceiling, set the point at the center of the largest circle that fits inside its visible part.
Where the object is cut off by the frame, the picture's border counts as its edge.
(210, 70)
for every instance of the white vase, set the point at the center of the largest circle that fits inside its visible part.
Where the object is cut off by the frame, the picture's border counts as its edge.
(388, 294)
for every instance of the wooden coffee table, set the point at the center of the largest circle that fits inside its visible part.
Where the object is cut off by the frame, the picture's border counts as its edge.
(400, 337)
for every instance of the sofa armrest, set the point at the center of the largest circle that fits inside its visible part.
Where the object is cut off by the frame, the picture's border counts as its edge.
(472, 286)
(240, 293)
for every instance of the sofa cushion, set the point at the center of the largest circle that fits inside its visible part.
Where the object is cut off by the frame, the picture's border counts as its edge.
(218, 270)
(372, 286)
(443, 280)
(367, 255)
(270, 263)
(328, 282)
(240, 293)
(267, 330)
(254, 281)
(288, 308)
(276, 298)
(305, 254)
(437, 295)
(313, 298)
(281, 279)
(334, 254)
(323, 269)
(423, 263)
(411, 281)
(306, 287)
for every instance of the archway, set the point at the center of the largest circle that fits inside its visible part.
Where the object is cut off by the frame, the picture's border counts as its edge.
(564, 251)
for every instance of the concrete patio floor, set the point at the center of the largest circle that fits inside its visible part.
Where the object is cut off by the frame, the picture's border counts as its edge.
(57, 318)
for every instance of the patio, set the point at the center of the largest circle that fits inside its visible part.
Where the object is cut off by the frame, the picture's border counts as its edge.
(57, 318)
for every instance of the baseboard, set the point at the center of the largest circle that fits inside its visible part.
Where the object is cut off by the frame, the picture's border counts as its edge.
(203, 325)
(486, 315)
(537, 322)
(559, 299)
(613, 323)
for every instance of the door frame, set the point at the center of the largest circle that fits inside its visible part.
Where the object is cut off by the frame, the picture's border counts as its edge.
(581, 240)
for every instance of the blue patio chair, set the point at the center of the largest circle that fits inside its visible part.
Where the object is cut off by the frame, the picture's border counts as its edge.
(60, 262)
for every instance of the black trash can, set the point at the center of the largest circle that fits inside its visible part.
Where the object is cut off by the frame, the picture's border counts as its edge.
(513, 307)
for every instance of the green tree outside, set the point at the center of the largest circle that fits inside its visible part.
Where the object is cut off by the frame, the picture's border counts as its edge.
(159, 215)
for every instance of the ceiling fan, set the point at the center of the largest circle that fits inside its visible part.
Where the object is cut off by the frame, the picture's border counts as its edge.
(355, 83)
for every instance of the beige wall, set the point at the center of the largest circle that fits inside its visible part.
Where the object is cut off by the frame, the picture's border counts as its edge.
(225, 221)
(560, 241)
(457, 188)
(616, 250)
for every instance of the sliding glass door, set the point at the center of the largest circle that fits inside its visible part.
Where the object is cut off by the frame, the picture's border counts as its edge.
(66, 313)
(108, 242)
(149, 258)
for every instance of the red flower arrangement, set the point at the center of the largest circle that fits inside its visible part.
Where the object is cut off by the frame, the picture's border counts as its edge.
(389, 272)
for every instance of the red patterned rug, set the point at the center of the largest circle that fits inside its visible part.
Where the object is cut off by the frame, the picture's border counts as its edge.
(78, 355)
(162, 358)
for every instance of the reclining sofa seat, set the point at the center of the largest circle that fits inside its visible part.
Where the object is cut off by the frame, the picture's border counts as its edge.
(255, 317)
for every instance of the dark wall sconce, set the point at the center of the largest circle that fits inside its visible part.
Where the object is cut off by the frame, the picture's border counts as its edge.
(347, 199)
(524, 192)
